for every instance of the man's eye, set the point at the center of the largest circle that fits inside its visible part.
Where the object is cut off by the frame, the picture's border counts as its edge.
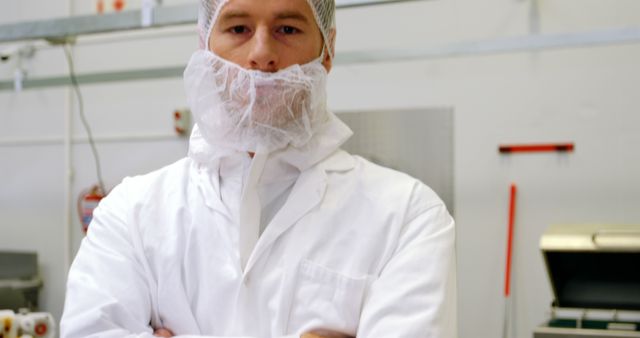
(288, 30)
(238, 29)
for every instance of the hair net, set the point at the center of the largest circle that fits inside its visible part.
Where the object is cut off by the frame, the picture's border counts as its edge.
(323, 10)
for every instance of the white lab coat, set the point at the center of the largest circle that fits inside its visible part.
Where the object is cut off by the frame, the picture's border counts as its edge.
(356, 248)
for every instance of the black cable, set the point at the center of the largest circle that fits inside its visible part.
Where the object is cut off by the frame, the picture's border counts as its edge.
(83, 118)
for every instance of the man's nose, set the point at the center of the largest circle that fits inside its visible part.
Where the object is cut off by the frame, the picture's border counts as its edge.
(263, 55)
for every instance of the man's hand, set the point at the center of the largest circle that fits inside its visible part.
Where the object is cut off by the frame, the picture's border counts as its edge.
(325, 334)
(163, 333)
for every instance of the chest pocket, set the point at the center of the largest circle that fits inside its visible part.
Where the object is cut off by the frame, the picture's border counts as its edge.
(323, 299)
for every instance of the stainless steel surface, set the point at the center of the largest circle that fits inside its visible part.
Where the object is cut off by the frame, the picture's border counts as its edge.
(595, 314)
(418, 142)
(617, 239)
(591, 237)
(555, 332)
(163, 16)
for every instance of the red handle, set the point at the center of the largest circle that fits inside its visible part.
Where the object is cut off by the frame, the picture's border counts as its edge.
(532, 148)
(512, 211)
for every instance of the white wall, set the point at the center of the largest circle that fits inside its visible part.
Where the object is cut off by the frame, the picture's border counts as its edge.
(585, 95)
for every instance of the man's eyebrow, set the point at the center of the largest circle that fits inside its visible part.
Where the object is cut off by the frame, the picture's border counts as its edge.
(234, 14)
(284, 15)
(291, 15)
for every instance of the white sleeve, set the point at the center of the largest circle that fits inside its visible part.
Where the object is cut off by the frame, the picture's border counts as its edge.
(415, 294)
(109, 289)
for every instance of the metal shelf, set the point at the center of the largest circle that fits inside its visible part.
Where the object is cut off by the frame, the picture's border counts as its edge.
(93, 78)
(93, 24)
(64, 28)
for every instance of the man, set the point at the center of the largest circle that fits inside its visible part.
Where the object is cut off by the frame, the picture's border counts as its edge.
(267, 228)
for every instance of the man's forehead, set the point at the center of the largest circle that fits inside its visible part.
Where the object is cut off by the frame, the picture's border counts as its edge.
(233, 13)
(276, 9)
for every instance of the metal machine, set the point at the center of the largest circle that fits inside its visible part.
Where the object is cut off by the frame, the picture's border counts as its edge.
(20, 283)
(20, 280)
(594, 272)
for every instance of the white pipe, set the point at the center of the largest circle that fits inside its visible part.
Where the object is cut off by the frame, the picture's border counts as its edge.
(118, 37)
(123, 138)
(155, 34)
(68, 180)
(515, 44)
(68, 175)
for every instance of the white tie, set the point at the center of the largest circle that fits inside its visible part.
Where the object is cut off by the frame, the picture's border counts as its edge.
(250, 209)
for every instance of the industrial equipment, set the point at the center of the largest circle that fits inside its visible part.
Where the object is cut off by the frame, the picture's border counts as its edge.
(594, 272)
(20, 281)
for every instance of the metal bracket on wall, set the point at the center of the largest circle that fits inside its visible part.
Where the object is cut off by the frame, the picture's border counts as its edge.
(163, 16)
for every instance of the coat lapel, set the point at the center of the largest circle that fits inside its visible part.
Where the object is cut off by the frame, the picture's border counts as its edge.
(307, 193)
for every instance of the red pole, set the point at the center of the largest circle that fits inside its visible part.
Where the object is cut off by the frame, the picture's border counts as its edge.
(512, 210)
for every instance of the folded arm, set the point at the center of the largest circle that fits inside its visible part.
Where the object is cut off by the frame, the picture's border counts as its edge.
(415, 295)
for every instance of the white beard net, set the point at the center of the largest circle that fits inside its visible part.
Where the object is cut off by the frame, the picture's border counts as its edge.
(250, 110)
(323, 10)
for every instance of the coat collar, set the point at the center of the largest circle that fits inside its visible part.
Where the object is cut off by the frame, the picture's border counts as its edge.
(314, 160)
(324, 144)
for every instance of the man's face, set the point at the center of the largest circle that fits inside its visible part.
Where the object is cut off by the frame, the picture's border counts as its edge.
(267, 35)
